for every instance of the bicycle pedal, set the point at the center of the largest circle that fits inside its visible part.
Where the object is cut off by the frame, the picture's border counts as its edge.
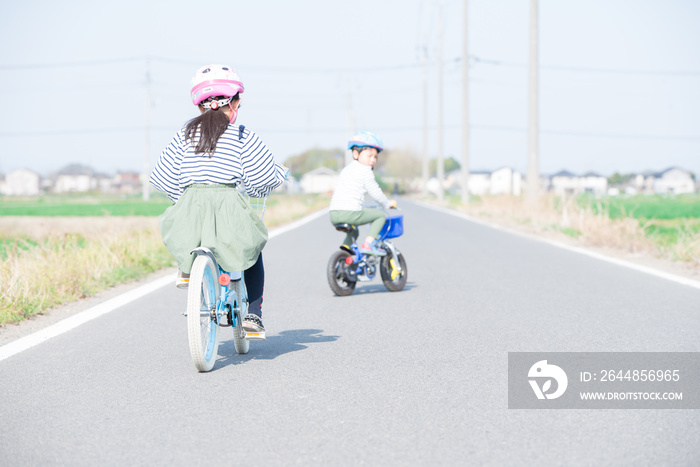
(255, 336)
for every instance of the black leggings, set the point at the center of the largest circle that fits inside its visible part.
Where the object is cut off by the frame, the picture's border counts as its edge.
(254, 284)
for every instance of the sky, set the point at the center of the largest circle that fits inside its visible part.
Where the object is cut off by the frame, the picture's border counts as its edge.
(106, 84)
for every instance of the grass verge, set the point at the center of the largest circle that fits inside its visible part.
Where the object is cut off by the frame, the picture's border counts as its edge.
(663, 227)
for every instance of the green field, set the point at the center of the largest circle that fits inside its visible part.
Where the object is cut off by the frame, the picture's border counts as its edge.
(648, 207)
(665, 219)
(81, 205)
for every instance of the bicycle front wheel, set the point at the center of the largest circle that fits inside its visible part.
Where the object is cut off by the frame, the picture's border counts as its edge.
(394, 272)
(202, 319)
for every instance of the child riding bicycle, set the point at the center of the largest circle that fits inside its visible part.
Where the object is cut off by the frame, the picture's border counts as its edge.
(355, 181)
(199, 171)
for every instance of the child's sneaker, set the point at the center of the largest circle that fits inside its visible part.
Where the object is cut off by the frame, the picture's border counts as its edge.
(253, 323)
(253, 327)
(371, 249)
(182, 280)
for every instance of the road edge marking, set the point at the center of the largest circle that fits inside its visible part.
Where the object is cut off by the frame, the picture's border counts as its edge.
(296, 224)
(620, 262)
(72, 322)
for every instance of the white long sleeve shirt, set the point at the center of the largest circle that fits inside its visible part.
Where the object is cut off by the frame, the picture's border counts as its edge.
(355, 181)
(240, 157)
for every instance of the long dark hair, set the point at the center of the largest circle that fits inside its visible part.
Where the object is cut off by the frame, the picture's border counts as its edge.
(211, 124)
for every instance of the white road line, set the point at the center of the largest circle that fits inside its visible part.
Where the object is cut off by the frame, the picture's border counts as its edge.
(296, 224)
(83, 317)
(609, 259)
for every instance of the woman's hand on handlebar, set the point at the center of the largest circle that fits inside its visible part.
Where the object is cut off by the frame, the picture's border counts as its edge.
(392, 204)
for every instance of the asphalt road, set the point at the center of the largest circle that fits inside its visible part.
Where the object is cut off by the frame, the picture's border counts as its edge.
(417, 377)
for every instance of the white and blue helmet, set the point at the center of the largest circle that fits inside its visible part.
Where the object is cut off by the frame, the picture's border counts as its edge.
(363, 139)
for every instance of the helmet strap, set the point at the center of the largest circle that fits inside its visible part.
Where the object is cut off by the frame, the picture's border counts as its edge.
(216, 103)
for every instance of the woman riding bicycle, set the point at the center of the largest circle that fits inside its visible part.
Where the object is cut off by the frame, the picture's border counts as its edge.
(199, 171)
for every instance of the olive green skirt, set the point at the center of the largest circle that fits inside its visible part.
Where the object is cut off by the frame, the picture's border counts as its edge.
(217, 217)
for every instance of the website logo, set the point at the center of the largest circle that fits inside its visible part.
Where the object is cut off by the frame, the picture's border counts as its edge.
(545, 373)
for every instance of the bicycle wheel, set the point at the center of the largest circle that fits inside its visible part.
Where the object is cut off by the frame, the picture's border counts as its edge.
(202, 322)
(336, 273)
(240, 308)
(393, 280)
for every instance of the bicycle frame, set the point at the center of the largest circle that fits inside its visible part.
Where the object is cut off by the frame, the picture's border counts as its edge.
(226, 293)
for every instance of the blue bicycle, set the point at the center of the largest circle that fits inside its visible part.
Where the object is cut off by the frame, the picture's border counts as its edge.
(345, 269)
(215, 299)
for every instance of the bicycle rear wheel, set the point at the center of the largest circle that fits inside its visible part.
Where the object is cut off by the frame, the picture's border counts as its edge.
(240, 308)
(336, 273)
(202, 319)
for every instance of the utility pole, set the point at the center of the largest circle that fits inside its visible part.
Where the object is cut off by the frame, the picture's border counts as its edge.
(147, 135)
(425, 122)
(465, 108)
(440, 160)
(349, 122)
(533, 175)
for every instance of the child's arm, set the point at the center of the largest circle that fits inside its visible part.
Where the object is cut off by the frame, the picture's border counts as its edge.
(376, 193)
(165, 174)
(261, 174)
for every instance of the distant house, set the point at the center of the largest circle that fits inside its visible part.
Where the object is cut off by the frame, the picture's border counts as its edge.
(127, 183)
(103, 182)
(592, 182)
(506, 181)
(673, 180)
(565, 182)
(479, 182)
(319, 180)
(482, 182)
(75, 178)
(22, 182)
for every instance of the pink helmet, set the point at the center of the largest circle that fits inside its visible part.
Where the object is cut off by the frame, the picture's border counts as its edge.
(215, 80)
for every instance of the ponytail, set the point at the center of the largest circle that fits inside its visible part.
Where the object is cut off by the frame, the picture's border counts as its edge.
(211, 125)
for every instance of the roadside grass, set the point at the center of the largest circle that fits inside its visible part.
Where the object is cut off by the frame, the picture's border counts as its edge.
(666, 227)
(49, 260)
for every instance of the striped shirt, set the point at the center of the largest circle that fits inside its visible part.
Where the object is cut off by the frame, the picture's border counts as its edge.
(236, 160)
(354, 182)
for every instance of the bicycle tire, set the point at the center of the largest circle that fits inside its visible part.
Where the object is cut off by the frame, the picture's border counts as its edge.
(240, 308)
(202, 320)
(339, 284)
(398, 282)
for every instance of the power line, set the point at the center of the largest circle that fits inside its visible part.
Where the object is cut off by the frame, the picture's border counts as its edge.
(30, 66)
(336, 70)
(589, 134)
(487, 61)
(20, 134)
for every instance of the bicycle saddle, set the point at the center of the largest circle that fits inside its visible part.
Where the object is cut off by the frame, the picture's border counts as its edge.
(343, 227)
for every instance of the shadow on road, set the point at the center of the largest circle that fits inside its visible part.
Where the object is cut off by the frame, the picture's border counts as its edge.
(379, 288)
(274, 346)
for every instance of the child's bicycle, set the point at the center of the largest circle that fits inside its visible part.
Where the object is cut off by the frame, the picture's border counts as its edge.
(215, 299)
(345, 270)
